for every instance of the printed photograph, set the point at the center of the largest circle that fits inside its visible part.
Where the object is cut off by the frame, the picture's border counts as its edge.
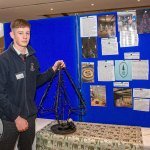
(89, 48)
(87, 71)
(107, 26)
(143, 21)
(123, 97)
(127, 21)
(98, 95)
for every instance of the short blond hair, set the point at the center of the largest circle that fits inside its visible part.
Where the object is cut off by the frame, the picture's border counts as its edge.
(19, 23)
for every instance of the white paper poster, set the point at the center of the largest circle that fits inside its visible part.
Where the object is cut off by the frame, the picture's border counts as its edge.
(129, 38)
(132, 55)
(141, 93)
(109, 46)
(88, 26)
(121, 84)
(140, 69)
(141, 104)
(106, 70)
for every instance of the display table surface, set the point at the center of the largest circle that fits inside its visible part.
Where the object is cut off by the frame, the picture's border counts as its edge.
(92, 136)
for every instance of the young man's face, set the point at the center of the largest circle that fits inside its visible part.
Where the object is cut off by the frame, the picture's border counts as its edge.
(20, 36)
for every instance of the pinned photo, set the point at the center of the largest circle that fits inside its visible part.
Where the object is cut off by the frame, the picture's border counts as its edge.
(127, 21)
(89, 48)
(123, 97)
(143, 21)
(87, 71)
(107, 26)
(98, 95)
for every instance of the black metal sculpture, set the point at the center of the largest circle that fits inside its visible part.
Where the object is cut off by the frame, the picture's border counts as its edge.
(61, 101)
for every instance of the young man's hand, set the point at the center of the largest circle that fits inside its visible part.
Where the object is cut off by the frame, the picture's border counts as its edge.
(21, 124)
(57, 64)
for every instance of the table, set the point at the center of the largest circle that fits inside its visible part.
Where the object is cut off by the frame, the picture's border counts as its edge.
(92, 136)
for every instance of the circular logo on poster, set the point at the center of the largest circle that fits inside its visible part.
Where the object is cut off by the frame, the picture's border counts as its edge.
(123, 69)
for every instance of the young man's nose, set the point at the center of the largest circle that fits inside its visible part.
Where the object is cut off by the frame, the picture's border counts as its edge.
(25, 36)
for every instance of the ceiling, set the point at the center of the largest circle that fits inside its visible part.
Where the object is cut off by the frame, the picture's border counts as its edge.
(36, 9)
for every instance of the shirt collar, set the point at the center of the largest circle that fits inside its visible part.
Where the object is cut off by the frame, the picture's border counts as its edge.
(19, 53)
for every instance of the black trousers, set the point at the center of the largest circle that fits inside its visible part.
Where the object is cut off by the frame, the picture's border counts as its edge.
(10, 135)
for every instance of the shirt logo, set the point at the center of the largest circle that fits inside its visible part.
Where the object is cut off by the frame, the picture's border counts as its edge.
(32, 67)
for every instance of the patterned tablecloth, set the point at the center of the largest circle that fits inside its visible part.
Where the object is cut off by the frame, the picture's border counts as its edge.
(91, 136)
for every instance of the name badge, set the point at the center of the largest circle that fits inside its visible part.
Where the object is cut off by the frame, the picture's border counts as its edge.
(19, 76)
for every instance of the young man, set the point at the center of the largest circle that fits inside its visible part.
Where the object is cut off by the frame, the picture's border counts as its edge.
(19, 77)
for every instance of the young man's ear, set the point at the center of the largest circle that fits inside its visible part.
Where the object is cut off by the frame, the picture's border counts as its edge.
(11, 35)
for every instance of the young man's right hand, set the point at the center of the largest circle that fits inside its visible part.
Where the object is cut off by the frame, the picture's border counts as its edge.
(21, 124)
(57, 64)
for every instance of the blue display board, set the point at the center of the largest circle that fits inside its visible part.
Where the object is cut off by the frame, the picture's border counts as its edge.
(109, 113)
